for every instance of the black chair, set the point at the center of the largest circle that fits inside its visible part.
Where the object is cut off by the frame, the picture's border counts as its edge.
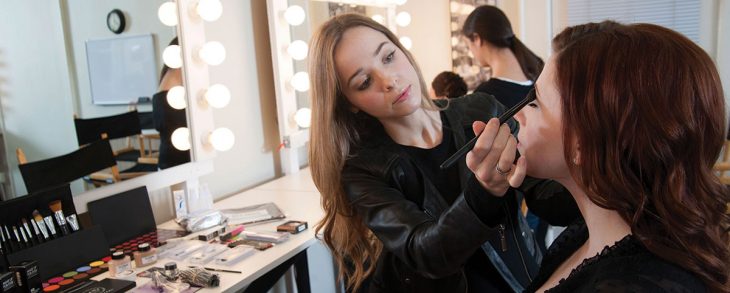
(167, 119)
(87, 160)
(125, 125)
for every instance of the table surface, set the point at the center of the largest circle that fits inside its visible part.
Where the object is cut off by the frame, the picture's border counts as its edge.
(296, 197)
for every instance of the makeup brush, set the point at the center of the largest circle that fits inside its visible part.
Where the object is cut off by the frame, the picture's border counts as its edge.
(58, 214)
(37, 232)
(502, 119)
(51, 228)
(27, 229)
(41, 225)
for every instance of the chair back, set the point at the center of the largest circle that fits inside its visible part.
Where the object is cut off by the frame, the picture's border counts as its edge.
(41, 174)
(115, 126)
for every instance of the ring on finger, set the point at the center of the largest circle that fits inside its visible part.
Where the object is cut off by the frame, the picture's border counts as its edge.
(501, 172)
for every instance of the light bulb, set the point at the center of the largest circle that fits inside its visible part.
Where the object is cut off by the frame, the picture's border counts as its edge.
(168, 13)
(300, 81)
(172, 56)
(303, 117)
(222, 139)
(403, 19)
(176, 97)
(294, 15)
(209, 10)
(218, 96)
(400, 2)
(406, 42)
(213, 53)
(298, 50)
(181, 138)
(378, 18)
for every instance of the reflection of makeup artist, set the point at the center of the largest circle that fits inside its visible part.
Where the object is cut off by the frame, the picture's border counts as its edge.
(167, 119)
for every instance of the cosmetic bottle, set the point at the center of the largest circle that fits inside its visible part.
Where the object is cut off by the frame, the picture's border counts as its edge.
(119, 263)
(145, 255)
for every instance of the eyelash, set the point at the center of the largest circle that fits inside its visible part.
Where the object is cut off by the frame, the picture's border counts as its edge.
(532, 105)
(388, 59)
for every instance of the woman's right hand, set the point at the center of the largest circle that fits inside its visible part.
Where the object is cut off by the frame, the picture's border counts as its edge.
(491, 159)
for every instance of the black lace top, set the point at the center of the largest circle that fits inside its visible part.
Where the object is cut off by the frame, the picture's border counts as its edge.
(626, 266)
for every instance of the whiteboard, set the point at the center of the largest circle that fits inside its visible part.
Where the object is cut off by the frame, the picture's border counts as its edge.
(121, 70)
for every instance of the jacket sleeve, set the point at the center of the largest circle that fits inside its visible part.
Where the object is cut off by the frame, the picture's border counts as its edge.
(550, 201)
(434, 247)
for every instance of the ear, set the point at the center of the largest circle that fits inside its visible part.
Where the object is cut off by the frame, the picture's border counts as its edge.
(576, 155)
(477, 40)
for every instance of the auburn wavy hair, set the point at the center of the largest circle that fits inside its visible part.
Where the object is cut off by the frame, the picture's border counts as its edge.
(334, 129)
(646, 107)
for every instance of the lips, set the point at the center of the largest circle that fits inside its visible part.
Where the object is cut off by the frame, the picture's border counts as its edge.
(403, 96)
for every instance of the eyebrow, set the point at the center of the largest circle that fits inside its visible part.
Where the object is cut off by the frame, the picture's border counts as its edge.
(359, 70)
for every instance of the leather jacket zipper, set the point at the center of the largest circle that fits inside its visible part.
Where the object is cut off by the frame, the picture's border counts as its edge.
(519, 250)
(502, 238)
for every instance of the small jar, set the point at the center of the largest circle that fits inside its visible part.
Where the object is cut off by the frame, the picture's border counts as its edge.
(145, 255)
(120, 262)
(171, 271)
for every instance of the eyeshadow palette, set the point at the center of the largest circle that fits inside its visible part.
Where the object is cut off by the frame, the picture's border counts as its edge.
(155, 238)
(76, 277)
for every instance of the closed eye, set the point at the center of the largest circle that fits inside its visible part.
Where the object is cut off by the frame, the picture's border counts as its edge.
(365, 84)
(389, 57)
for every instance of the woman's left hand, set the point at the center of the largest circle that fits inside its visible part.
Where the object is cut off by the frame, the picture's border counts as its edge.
(492, 158)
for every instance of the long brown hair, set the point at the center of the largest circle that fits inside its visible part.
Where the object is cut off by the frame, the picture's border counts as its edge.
(646, 107)
(332, 132)
(493, 26)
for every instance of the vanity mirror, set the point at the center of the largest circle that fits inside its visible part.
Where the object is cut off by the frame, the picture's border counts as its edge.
(291, 24)
(48, 76)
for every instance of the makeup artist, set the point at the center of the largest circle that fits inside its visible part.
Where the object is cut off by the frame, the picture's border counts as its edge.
(394, 221)
(635, 144)
(167, 118)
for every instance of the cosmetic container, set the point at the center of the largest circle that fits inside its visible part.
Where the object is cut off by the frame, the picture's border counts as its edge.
(145, 255)
(120, 262)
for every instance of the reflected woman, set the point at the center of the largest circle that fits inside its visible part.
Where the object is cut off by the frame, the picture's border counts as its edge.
(167, 118)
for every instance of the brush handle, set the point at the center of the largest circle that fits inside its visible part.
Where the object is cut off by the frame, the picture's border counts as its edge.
(502, 119)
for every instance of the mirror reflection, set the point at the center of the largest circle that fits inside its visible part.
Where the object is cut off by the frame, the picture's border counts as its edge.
(74, 72)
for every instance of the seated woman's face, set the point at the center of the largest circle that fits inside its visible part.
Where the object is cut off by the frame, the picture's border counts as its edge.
(375, 76)
(541, 136)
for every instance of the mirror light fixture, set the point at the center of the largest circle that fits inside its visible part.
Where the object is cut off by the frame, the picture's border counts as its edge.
(406, 42)
(403, 19)
(298, 50)
(209, 10)
(400, 2)
(168, 13)
(294, 15)
(303, 117)
(217, 96)
(378, 18)
(172, 56)
(212, 53)
(176, 97)
(222, 139)
(181, 138)
(300, 81)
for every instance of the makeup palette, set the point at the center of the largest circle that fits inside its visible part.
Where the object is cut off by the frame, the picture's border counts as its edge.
(77, 276)
(155, 238)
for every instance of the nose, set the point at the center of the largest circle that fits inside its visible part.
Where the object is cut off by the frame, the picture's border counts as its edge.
(389, 81)
(520, 117)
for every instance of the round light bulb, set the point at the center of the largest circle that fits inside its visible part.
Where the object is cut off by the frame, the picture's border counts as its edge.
(400, 2)
(294, 15)
(300, 81)
(406, 42)
(209, 10)
(213, 53)
(378, 18)
(181, 138)
(218, 96)
(303, 117)
(403, 19)
(176, 97)
(172, 56)
(298, 50)
(168, 13)
(222, 139)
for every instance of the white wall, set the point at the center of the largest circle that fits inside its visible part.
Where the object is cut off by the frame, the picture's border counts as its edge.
(35, 88)
(723, 48)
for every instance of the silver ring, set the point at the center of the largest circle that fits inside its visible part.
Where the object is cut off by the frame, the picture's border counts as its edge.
(500, 172)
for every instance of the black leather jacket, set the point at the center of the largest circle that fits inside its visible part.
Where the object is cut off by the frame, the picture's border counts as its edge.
(426, 241)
